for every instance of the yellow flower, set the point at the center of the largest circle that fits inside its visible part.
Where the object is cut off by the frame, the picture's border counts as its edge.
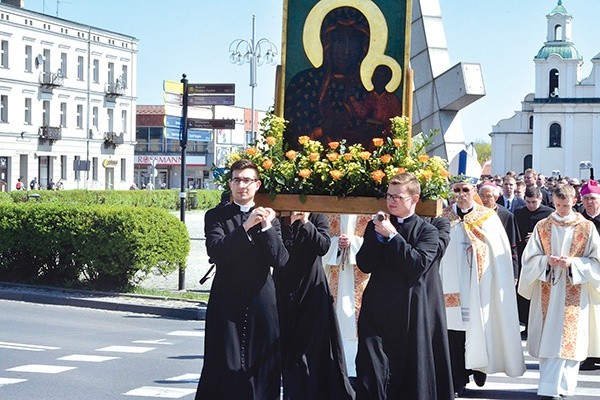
(251, 151)
(377, 142)
(313, 156)
(303, 140)
(270, 140)
(336, 174)
(333, 156)
(378, 175)
(267, 164)
(333, 145)
(444, 172)
(386, 158)
(397, 142)
(423, 157)
(291, 154)
(427, 174)
(365, 155)
(304, 173)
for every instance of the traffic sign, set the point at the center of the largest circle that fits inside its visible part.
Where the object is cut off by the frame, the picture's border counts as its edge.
(195, 123)
(217, 100)
(211, 88)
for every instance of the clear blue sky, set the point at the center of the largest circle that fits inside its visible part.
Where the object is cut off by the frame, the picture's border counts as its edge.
(193, 37)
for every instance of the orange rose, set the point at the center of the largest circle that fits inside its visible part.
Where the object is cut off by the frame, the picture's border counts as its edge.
(427, 174)
(304, 173)
(386, 158)
(401, 170)
(267, 164)
(378, 175)
(333, 145)
(348, 156)
(336, 174)
(423, 157)
(251, 151)
(365, 155)
(444, 173)
(291, 154)
(333, 156)
(271, 140)
(313, 157)
(397, 142)
(303, 140)
(377, 142)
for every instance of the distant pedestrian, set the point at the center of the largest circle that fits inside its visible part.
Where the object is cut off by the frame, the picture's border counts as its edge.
(19, 185)
(33, 184)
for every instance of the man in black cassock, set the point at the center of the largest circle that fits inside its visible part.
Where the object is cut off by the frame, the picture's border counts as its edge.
(396, 357)
(526, 218)
(313, 359)
(242, 354)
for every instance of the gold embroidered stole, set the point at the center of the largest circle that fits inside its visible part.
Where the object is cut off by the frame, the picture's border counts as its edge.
(572, 292)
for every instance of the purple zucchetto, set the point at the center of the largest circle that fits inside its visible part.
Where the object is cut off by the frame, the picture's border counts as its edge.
(590, 186)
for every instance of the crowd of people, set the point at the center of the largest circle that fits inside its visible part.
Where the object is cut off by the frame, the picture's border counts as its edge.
(397, 306)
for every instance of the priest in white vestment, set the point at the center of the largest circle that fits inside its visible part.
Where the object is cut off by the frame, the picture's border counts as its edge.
(561, 277)
(479, 291)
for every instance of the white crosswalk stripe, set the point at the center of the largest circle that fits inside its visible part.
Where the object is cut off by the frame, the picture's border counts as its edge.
(26, 347)
(160, 392)
(10, 381)
(41, 368)
(187, 333)
(86, 358)
(127, 349)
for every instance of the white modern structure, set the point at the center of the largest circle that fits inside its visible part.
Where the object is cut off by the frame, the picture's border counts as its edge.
(558, 127)
(68, 102)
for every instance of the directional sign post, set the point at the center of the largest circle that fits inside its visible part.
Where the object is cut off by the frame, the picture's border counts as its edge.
(196, 123)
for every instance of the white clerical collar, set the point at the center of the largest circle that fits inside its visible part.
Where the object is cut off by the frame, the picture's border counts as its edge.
(246, 207)
(401, 220)
(569, 218)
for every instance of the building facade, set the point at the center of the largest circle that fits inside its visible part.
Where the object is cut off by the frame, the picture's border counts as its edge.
(557, 130)
(68, 102)
(158, 149)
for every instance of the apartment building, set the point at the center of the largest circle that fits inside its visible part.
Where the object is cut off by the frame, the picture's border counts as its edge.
(67, 102)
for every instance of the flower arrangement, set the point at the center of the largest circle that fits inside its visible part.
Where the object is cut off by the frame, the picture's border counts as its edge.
(341, 169)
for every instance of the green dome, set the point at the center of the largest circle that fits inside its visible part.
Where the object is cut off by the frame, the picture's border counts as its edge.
(559, 9)
(565, 50)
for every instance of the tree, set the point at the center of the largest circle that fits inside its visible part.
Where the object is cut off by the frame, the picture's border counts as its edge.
(484, 151)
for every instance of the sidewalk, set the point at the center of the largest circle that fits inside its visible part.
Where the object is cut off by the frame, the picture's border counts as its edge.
(197, 265)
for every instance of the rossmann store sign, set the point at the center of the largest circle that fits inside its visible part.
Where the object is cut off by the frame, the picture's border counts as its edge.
(154, 160)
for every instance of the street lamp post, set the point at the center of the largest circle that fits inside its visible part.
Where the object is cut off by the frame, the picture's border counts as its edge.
(243, 51)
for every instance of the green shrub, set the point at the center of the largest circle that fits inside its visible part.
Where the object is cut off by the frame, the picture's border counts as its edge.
(97, 247)
(167, 199)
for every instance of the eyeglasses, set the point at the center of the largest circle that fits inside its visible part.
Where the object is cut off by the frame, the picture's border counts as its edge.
(590, 198)
(246, 181)
(463, 189)
(395, 197)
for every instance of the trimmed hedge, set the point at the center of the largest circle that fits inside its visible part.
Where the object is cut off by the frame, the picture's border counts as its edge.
(167, 199)
(95, 247)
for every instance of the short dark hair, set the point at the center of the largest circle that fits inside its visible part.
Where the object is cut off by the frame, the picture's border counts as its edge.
(564, 191)
(244, 164)
(533, 192)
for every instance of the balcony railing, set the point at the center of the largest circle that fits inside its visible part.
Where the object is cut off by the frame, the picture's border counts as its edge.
(51, 79)
(113, 138)
(114, 89)
(50, 132)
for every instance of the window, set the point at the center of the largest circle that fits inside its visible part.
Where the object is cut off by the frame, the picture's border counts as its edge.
(530, 124)
(554, 136)
(110, 113)
(80, 68)
(111, 73)
(553, 81)
(124, 121)
(527, 162)
(3, 108)
(79, 116)
(95, 117)
(96, 71)
(27, 119)
(124, 76)
(63, 167)
(95, 168)
(28, 59)
(76, 168)
(123, 169)
(46, 113)
(46, 62)
(4, 54)
(63, 114)
(63, 65)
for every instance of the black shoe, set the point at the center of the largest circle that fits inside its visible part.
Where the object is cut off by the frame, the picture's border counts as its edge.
(587, 365)
(460, 392)
(479, 378)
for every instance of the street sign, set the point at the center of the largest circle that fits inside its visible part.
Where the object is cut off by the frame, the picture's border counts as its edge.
(211, 88)
(195, 123)
(172, 121)
(217, 100)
